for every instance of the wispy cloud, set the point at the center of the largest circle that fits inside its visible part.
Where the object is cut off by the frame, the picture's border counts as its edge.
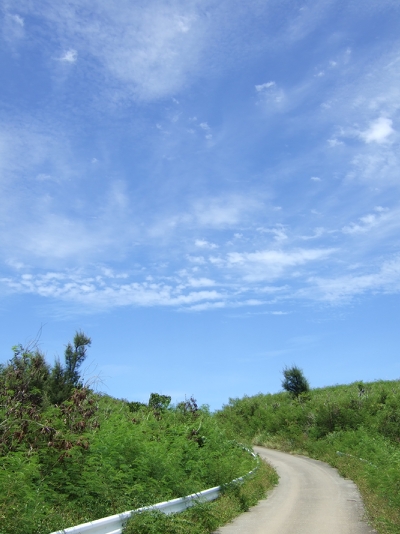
(148, 49)
(270, 264)
(13, 28)
(318, 232)
(204, 126)
(270, 95)
(101, 292)
(202, 243)
(264, 86)
(173, 202)
(367, 222)
(344, 288)
(225, 210)
(70, 56)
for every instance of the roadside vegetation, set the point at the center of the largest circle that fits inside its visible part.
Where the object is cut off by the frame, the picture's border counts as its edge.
(207, 517)
(355, 428)
(69, 455)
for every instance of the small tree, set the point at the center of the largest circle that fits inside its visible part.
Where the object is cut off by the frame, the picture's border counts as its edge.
(64, 378)
(294, 381)
(74, 357)
(159, 402)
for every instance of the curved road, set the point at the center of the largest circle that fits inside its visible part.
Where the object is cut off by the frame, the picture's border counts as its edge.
(311, 498)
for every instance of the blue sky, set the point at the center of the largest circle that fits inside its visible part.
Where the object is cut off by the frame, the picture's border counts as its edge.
(210, 190)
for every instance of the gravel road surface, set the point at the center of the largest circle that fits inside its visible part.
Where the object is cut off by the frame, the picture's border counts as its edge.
(311, 498)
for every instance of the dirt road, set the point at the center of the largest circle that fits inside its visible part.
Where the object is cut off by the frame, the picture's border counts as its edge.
(311, 498)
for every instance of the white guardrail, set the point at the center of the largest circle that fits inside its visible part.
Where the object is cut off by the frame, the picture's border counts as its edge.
(114, 524)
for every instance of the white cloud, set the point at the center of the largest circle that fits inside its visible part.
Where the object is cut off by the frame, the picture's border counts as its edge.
(100, 292)
(214, 213)
(378, 131)
(278, 232)
(225, 304)
(199, 260)
(57, 237)
(204, 126)
(206, 306)
(18, 20)
(315, 179)
(13, 28)
(214, 260)
(318, 232)
(270, 264)
(200, 282)
(70, 56)
(224, 211)
(149, 49)
(334, 142)
(378, 165)
(365, 224)
(202, 243)
(272, 289)
(49, 215)
(27, 145)
(343, 288)
(366, 108)
(264, 86)
(270, 95)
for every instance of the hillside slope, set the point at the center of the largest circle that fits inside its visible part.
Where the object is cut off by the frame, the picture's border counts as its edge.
(354, 427)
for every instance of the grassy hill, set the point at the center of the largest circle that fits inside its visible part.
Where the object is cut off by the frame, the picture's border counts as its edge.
(69, 455)
(354, 427)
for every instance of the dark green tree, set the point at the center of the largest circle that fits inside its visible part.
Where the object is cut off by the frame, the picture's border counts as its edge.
(64, 378)
(74, 357)
(159, 402)
(294, 381)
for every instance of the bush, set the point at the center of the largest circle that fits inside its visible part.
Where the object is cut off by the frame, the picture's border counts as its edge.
(294, 381)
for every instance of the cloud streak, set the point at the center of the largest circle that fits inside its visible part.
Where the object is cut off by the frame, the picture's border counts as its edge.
(344, 288)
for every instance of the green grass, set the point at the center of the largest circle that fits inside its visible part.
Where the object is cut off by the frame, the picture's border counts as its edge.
(360, 421)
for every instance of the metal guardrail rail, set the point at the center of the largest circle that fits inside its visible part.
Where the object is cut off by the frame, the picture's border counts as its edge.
(115, 523)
